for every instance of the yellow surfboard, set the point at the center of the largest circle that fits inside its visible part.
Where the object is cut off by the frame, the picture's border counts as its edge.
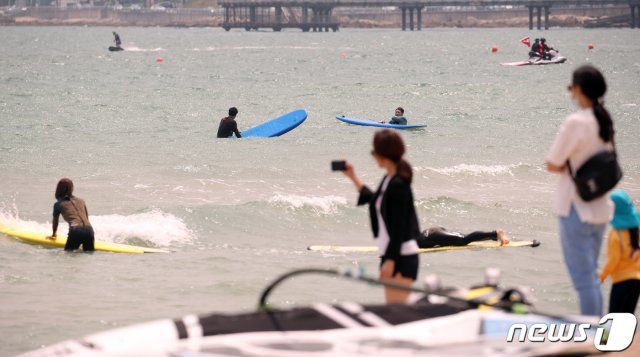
(61, 240)
(373, 249)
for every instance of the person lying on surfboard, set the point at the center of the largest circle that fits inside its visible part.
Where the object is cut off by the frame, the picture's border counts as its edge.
(398, 118)
(74, 211)
(441, 237)
(228, 125)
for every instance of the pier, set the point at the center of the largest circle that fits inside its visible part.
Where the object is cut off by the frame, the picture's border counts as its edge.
(316, 15)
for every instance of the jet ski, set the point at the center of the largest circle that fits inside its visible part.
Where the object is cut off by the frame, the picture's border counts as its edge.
(554, 58)
(438, 321)
(115, 48)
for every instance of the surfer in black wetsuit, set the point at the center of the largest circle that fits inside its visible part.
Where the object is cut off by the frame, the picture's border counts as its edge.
(74, 211)
(441, 237)
(228, 125)
(398, 118)
(116, 38)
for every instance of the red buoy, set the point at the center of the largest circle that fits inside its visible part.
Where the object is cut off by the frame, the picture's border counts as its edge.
(591, 46)
(159, 59)
(494, 48)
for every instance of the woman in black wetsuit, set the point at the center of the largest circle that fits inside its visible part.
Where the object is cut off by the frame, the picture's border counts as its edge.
(441, 237)
(392, 213)
(74, 211)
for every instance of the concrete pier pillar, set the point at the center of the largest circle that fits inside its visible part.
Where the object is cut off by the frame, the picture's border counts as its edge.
(411, 18)
(530, 17)
(633, 15)
(539, 14)
(419, 10)
(546, 17)
(404, 19)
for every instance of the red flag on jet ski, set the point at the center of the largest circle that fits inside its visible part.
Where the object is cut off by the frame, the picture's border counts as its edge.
(526, 42)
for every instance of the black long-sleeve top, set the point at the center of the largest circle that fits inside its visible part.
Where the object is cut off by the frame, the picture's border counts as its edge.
(397, 211)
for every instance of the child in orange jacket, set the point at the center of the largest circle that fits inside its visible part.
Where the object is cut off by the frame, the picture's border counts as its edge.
(623, 262)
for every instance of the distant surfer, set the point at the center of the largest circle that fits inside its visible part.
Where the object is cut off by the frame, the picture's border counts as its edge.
(116, 38)
(398, 118)
(441, 237)
(228, 125)
(74, 211)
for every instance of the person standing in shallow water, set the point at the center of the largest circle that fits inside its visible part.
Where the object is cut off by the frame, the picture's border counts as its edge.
(393, 215)
(228, 125)
(74, 211)
(116, 39)
(582, 224)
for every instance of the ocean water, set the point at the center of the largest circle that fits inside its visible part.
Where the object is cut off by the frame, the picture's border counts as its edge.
(137, 136)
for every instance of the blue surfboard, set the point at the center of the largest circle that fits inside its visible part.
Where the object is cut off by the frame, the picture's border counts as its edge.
(381, 125)
(278, 126)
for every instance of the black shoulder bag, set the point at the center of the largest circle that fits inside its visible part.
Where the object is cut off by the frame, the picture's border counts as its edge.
(598, 175)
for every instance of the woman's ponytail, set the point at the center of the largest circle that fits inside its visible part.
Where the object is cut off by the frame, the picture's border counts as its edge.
(604, 121)
(404, 171)
(593, 86)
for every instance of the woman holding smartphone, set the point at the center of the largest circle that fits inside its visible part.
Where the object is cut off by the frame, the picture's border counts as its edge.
(392, 213)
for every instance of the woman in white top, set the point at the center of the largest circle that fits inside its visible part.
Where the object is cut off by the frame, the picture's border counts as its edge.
(582, 224)
(393, 215)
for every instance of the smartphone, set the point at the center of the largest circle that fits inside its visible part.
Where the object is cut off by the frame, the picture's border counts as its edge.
(338, 165)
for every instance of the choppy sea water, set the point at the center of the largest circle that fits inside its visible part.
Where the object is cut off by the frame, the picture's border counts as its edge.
(137, 136)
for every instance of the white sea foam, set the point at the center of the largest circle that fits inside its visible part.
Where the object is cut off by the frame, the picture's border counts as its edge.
(138, 49)
(323, 205)
(474, 170)
(155, 227)
(256, 48)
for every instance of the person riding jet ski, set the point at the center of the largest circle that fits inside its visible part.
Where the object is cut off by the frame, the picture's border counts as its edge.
(536, 49)
(546, 50)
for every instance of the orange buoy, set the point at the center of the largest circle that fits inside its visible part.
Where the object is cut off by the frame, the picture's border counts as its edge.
(159, 59)
(591, 46)
(494, 48)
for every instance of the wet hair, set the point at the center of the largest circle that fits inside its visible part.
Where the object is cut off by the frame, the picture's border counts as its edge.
(593, 86)
(400, 109)
(389, 144)
(64, 188)
(543, 40)
(233, 111)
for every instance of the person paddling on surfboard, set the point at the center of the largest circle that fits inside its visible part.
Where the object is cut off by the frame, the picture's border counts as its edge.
(441, 237)
(398, 118)
(228, 125)
(74, 211)
(116, 39)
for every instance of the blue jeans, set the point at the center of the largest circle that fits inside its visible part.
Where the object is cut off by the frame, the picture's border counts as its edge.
(581, 242)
